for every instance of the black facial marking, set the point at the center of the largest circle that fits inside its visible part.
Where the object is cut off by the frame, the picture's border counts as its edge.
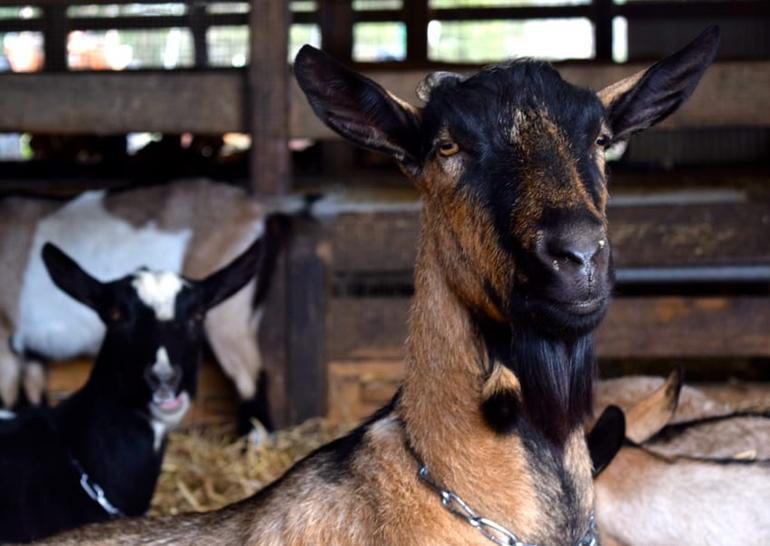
(501, 411)
(556, 377)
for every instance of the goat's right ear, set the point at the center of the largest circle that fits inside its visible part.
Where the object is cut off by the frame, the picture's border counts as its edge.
(358, 108)
(71, 278)
(606, 438)
(650, 96)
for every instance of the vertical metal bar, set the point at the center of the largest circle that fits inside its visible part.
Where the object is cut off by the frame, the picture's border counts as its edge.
(417, 15)
(603, 30)
(55, 38)
(199, 27)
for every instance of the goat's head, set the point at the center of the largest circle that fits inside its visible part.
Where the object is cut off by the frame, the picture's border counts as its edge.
(510, 164)
(152, 350)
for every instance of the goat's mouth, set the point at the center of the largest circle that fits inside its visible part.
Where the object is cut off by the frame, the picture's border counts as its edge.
(168, 406)
(578, 317)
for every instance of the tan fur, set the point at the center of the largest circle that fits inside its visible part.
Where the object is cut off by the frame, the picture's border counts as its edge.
(671, 492)
(615, 90)
(644, 499)
(652, 413)
(379, 499)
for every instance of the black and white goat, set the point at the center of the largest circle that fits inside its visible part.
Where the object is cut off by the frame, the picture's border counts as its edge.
(98, 454)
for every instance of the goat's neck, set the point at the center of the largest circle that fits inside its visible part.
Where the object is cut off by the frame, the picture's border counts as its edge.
(112, 441)
(448, 366)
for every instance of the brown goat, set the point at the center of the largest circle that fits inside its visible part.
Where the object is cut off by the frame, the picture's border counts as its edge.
(703, 481)
(513, 273)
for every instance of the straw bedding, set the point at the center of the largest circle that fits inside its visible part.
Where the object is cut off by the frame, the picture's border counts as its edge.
(205, 469)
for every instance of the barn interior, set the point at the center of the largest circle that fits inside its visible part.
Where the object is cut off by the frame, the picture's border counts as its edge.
(117, 95)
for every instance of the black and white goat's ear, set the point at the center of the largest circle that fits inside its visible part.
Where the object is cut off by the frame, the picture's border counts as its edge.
(606, 438)
(222, 284)
(71, 278)
(650, 96)
(358, 108)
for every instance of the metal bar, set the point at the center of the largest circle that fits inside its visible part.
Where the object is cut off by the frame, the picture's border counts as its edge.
(55, 38)
(196, 13)
(662, 275)
(603, 30)
(164, 21)
(417, 31)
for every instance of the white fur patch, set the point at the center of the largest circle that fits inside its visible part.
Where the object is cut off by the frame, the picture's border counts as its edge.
(163, 421)
(7, 415)
(158, 290)
(52, 323)
(162, 367)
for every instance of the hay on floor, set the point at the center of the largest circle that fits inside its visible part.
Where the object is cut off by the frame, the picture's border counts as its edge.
(206, 469)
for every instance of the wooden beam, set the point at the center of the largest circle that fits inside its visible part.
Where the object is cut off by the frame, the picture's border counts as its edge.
(660, 236)
(731, 94)
(268, 108)
(649, 327)
(109, 103)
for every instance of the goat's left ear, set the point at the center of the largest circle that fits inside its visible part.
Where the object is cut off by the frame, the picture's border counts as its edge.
(222, 284)
(650, 96)
(71, 278)
(606, 438)
(358, 108)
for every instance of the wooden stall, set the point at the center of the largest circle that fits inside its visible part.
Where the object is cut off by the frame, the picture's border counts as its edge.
(690, 245)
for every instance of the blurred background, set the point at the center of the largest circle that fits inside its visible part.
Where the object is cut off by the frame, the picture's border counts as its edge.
(108, 94)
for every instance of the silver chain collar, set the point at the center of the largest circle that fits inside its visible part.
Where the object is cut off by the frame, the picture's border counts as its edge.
(95, 491)
(488, 528)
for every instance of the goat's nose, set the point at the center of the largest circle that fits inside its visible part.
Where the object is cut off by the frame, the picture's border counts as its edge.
(580, 249)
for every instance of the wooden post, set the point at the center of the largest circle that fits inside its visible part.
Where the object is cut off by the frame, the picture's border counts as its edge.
(336, 20)
(268, 107)
(306, 374)
(267, 110)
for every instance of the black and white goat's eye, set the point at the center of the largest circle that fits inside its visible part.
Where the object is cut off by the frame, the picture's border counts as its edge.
(603, 141)
(115, 315)
(448, 148)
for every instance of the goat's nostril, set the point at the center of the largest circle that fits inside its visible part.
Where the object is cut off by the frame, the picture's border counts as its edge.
(579, 252)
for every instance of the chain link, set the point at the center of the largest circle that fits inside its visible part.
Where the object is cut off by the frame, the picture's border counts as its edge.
(94, 490)
(488, 528)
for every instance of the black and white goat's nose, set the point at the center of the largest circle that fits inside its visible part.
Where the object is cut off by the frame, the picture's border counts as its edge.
(162, 372)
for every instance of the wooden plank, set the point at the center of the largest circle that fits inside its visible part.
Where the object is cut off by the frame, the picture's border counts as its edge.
(679, 327)
(731, 94)
(109, 103)
(649, 327)
(306, 374)
(718, 234)
(268, 106)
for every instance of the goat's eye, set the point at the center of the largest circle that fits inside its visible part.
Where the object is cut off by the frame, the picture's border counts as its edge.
(448, 148)
(115, 315)
(603, 141)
